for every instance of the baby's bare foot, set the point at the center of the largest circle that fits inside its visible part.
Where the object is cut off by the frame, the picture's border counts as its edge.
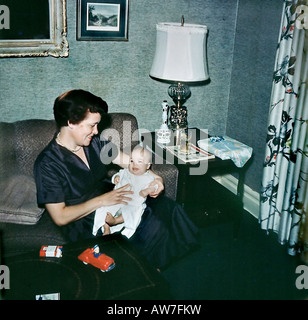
(106, 229)
(110, 220)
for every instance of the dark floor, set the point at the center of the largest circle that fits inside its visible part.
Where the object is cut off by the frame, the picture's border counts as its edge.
(254, 266)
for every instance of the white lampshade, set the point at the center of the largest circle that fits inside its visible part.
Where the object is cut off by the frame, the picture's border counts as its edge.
(180, 53)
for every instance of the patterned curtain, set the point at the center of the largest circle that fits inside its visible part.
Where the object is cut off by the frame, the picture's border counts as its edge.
(284, 199)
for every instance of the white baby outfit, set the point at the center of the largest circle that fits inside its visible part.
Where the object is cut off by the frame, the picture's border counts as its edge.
(132, 212)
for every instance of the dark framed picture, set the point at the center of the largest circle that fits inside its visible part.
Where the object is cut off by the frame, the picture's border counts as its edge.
(102, 20)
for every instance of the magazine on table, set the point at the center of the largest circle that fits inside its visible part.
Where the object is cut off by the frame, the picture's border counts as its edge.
(195, 155)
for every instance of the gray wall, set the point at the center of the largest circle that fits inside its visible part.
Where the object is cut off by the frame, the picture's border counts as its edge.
(241, 51)
(256, 39)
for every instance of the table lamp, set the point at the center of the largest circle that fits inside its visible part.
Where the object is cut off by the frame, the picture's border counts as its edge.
(180, 58)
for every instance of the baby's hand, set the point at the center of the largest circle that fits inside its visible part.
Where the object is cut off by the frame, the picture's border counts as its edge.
(144, 193)
(116, 179)
(158, 188)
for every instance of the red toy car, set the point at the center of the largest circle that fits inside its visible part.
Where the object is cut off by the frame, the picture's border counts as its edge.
(97, 259)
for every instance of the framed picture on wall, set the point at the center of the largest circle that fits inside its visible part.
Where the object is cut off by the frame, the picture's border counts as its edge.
(102, 20)
(33, 28)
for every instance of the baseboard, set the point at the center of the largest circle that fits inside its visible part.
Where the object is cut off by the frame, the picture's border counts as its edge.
(251, 198)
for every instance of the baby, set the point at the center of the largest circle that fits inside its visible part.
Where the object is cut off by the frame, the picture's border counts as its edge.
(137, 176)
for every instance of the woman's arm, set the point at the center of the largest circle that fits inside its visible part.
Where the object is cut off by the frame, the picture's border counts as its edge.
(63, 214)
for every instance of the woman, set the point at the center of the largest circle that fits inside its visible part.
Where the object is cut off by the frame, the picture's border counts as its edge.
(71, 183)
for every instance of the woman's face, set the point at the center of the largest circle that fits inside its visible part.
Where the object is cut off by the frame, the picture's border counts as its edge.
(84, 131)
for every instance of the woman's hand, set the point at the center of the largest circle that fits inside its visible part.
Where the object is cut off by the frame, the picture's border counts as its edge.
(118, 196)
(62, 214)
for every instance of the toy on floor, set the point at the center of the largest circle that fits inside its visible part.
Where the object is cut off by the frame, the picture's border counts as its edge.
(51, 251)
(97, 259)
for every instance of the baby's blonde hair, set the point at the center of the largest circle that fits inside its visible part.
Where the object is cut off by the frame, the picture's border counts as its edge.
(146, 154)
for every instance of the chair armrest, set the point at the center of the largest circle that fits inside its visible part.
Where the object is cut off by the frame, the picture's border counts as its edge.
(169, 173)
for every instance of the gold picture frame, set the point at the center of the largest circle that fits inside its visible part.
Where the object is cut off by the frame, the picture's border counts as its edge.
(55, 44)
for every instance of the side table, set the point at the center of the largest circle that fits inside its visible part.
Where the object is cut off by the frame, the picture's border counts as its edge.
(191, 171)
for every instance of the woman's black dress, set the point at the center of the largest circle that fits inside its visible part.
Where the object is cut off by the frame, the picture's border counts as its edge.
(165, 232)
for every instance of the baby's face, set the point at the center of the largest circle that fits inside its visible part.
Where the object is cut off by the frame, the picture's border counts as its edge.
(139, 162)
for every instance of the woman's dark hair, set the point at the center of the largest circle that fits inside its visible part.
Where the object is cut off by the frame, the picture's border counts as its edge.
(73, 106)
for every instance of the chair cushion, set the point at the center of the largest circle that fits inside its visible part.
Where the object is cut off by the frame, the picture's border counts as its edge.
(18, 200)
(31, 137)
